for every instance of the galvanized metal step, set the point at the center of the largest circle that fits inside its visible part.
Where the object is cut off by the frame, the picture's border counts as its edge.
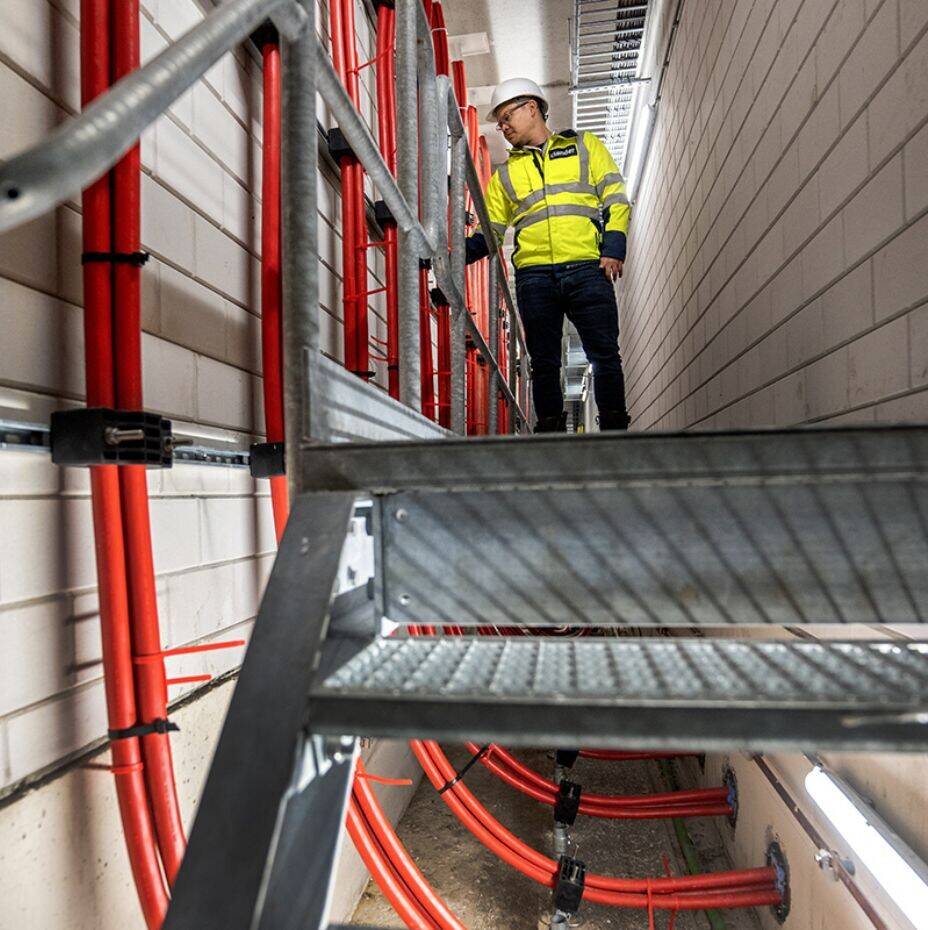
(797, 527)
(623, 692)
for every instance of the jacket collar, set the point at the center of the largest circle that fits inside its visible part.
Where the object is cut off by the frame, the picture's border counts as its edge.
(565, 135)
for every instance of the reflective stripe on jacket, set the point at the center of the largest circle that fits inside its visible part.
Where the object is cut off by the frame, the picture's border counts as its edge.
(566, 201)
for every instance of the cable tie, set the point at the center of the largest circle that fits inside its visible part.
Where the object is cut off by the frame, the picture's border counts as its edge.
(382, 780)
(126, 769)
(459, 775)
(136, 259)
(158, 725)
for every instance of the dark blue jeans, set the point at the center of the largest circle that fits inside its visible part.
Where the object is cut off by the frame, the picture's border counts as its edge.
(581, 292)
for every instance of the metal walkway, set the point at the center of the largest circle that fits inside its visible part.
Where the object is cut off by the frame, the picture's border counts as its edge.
(779, 527)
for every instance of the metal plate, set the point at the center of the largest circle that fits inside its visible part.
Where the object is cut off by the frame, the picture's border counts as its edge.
(343, 408)
(791, 553)
(671, 693)
(814, 455)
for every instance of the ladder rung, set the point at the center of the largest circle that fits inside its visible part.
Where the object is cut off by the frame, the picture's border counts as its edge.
(642, 693)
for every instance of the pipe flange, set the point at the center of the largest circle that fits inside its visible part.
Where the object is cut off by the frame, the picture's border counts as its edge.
(730, 781)
(777, 859)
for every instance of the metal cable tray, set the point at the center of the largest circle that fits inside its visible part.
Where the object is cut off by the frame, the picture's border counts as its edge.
(651, 693)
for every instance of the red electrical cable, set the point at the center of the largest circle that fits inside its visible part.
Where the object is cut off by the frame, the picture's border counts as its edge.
(151, 687)
(388, 881)
(271, 296)
(386, 126)
(618, 891)
(354, 220)
(138, 829)
(397, 853)
(500, 759)
(617, 755)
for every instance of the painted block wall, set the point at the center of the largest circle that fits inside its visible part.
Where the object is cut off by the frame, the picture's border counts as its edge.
(778, 275)
(212, 526)
(777, 269)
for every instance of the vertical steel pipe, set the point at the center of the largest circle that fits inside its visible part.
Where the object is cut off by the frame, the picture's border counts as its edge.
(493, 315)
(407, 158)
(458, 310)
(299, 168)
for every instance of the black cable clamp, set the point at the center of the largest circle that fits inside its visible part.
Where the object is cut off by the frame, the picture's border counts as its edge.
(438, 298)
(382, 213)
(265, 34)
(459, 775)
(266, 459)
(425, 264)
(567, 802)
(566, 757)
(158, 725)
(339, 147)
(103, 436)
(568, 889)
(116, 258)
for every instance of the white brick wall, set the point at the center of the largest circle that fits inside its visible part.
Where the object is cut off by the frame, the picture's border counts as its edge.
(778, 275)
(212, 527)
(778, 250)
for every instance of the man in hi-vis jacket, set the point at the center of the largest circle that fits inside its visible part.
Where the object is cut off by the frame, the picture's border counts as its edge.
(563, 194)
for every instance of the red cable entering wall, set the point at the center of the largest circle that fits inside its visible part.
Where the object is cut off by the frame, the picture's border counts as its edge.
(751, 887)
(699, 802)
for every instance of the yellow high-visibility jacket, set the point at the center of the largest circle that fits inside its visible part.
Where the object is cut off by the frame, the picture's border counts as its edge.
(566, 201)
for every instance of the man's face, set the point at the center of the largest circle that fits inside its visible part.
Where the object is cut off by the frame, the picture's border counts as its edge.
(515, 121)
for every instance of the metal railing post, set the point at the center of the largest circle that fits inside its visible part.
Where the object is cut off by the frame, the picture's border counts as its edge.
(493, 314)
(300, 264)
(459, 155)
(514, 370)
(407, 161)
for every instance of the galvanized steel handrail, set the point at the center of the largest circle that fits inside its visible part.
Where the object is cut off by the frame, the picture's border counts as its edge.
(84, 148)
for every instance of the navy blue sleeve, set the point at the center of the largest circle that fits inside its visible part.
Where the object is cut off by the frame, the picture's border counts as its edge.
(613, 245)
(476, 248)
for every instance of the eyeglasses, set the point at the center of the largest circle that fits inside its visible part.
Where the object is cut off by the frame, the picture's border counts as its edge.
(505, 120)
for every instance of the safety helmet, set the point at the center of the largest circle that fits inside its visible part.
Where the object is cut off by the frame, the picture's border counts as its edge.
(516, 87)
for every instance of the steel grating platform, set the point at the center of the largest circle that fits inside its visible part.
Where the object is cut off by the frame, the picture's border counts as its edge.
(651, 693)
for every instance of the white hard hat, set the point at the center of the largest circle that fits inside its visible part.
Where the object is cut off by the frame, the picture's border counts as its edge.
(516, 87)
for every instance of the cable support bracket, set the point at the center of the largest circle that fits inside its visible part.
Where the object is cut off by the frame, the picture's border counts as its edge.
(567, 802)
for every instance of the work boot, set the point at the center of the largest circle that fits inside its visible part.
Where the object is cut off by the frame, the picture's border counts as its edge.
(613, 420)
(555, 424)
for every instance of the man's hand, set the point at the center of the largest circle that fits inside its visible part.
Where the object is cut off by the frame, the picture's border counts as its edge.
(612, 267)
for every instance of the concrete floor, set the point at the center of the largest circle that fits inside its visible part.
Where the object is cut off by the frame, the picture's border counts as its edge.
(489, 895)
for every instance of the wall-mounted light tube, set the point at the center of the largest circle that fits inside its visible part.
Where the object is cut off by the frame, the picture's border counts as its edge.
(901, 873)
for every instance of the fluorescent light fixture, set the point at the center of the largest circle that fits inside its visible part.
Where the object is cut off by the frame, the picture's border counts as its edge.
(891, 862)
(636, 154)
(471, 43)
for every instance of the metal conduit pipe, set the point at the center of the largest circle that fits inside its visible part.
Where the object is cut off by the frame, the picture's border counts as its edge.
(451, 279)
(82, 149)
(493, 310)
(413, 243)
(299, 168)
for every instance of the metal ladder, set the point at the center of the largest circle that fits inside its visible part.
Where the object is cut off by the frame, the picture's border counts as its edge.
(783, 528)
